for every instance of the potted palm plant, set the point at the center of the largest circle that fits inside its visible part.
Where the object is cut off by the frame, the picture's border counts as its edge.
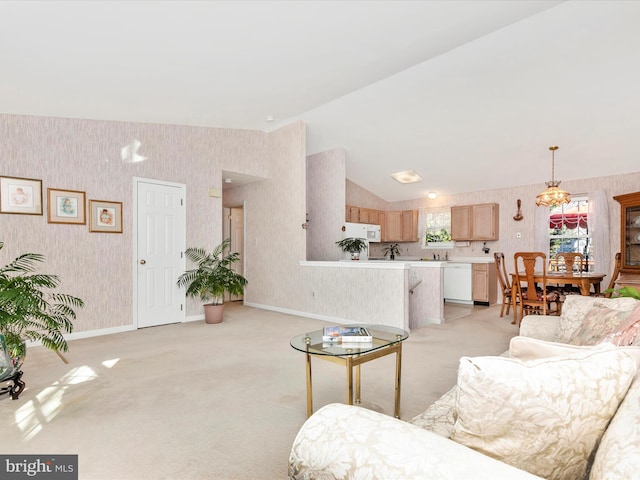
(212, 277)
(392, 250)
(30, 309)
(353, 246)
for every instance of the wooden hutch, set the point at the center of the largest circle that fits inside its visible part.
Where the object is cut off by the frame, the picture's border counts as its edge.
(629, 240)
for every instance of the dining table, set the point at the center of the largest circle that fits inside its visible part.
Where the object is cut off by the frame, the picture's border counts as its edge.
(583, 280)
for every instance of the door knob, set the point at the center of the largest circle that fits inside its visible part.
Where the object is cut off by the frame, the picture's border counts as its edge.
(142, 262)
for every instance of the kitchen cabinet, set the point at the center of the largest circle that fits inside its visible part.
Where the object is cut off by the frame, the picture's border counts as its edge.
(401, 226)
(410, 226)
(373, 217)
(352, 214)
(394, 227)
(629, 234)
(484, 283)
(475, 222)
(362, 215)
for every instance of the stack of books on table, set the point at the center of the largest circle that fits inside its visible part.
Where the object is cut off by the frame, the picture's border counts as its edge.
(347, 336)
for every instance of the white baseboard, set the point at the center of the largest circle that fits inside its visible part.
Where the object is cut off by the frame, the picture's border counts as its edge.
(317, 316)
(89, 334)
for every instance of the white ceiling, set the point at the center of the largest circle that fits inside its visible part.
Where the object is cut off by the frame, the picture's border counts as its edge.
(470, 94)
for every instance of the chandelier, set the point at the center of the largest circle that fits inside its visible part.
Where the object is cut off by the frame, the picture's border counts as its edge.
(553, 195)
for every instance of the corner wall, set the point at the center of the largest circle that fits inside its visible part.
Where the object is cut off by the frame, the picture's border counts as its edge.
(325, 204)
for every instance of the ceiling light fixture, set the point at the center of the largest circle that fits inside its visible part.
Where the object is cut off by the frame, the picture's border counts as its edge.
(270, 118)
(407, 176)
(552, 195)
(227, 180)
(432, 195)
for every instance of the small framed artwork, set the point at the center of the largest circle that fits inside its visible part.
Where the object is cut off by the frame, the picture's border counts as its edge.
(105, 217)
(20, 195)
(66, 206)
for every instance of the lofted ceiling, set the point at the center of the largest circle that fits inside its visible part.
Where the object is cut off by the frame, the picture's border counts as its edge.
(469, 94)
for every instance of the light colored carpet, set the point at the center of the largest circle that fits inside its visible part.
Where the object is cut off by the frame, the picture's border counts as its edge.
(198, 401)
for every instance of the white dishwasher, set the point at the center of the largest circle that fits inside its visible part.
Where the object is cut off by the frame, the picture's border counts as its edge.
(457, 282)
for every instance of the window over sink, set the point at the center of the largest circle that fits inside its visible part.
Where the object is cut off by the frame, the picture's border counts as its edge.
(435, 228)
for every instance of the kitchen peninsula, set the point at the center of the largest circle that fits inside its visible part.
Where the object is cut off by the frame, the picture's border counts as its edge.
(403, 293)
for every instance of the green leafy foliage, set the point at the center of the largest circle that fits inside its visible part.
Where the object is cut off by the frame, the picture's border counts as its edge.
(441, 236)
(31, 309)
(352, 244)
(213, 275)
(392, 249)
(624, 292)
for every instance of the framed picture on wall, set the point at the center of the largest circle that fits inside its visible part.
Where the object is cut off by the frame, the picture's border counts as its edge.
(105, 216)
(20, 195)
(66, 206)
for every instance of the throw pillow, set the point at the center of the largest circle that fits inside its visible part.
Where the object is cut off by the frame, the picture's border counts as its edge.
(575, 308)
(543, 416)
(599, 322)
(628, 331)
(527, 348)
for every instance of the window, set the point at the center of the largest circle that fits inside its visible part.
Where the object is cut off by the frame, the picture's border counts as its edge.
(569, 231)
(435, 228)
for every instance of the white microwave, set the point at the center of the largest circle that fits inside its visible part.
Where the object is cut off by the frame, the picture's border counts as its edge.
(373, 233)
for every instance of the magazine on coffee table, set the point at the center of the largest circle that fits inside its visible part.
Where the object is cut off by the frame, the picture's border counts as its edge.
(346, 333)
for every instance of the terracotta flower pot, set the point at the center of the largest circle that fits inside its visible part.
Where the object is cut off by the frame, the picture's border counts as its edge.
(213, 313)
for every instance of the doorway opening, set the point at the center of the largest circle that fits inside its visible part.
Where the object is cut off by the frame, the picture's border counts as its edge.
(233, 228)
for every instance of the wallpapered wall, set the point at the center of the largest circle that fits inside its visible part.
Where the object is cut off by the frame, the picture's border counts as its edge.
(85, 155)
(325, 204)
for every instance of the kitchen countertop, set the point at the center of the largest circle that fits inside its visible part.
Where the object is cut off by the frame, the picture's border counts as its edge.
(399, 262)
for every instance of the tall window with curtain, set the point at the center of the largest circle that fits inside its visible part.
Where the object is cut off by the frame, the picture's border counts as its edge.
(569, 231)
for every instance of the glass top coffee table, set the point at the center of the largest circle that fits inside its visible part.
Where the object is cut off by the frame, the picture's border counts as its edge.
(385, 341)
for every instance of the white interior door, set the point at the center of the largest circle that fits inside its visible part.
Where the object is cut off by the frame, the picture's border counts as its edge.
(160, 243)
(233, 228)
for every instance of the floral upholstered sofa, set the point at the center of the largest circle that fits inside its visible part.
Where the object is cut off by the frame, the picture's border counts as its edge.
(563, 404)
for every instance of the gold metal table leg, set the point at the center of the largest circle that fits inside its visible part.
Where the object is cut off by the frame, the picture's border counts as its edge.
(398, 375)
(358, 384)
(309, 388)
(349, 365)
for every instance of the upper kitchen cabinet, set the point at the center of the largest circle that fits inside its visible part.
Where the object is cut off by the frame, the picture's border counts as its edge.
(362, 215)
(475, 222)
(351, 214)
(410, 226)
(629, 232)
(401, 226)
(393, 232)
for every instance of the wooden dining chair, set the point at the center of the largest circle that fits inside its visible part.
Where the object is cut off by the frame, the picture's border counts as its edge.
(614, 277)
(571, 261)
(508, 294)
(536, 299)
